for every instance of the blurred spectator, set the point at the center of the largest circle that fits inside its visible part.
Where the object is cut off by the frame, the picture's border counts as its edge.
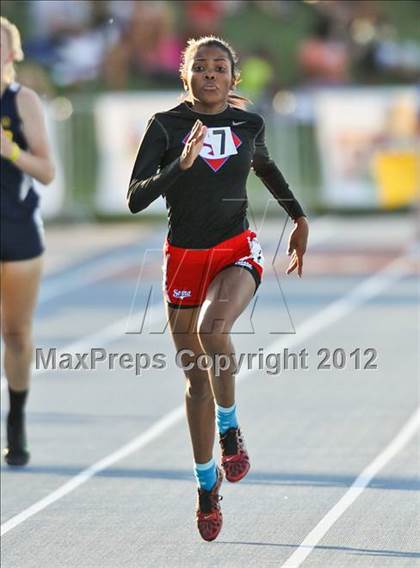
(257, 75)
(401, 60)
(121, 11)
(203, 17)
(280, 9)
(53, 23)
(322, 58)
(148, 46)
(53, 20)
(137, 43)
(72, 38)
(82, 55)
(378, 53)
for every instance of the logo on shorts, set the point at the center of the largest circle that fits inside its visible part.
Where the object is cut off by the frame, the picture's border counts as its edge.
(181, 293)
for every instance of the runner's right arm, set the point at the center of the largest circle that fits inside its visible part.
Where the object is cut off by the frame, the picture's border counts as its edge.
(148, 182)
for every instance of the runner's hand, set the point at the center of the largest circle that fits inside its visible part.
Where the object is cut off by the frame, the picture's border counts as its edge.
(193, 146)
(297, 245)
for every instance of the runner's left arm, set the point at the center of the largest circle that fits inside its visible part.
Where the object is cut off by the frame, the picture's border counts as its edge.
(265, 168)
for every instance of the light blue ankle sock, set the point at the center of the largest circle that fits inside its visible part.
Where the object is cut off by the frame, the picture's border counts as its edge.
(205, 474)
(226, 418)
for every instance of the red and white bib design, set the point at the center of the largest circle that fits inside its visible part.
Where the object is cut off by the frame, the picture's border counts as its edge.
(219, 144)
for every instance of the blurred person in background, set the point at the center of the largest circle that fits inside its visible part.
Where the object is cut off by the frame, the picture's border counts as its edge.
(72, 38)
(258, 77)
(378, 53)
(53, 23)
(203, 17)
(198, 155)
(25, 154)
(148, 45)
(82, 55)
(323, 58)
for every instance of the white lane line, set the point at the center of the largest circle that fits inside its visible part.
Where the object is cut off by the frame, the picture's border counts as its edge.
(335, 311)
(358, 486)
(139, 442)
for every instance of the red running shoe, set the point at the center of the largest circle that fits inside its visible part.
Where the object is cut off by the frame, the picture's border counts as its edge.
(235, 459)
(209, 514)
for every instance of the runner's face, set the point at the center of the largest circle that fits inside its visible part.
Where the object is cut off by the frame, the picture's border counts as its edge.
(210, 76)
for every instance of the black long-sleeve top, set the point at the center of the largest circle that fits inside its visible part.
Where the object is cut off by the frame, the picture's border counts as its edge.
(207, 203)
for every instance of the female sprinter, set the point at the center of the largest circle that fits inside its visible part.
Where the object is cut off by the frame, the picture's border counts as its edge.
(198, 155)
(24, 155)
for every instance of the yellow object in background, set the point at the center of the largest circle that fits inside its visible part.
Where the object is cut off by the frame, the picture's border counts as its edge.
(397, 175)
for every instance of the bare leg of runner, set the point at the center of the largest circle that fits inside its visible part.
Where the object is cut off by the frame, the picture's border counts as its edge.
(198, 395)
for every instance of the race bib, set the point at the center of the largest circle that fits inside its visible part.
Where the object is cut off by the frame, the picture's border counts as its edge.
(218, 143)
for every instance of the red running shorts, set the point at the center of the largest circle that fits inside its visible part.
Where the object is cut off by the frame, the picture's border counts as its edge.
(187, 273)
